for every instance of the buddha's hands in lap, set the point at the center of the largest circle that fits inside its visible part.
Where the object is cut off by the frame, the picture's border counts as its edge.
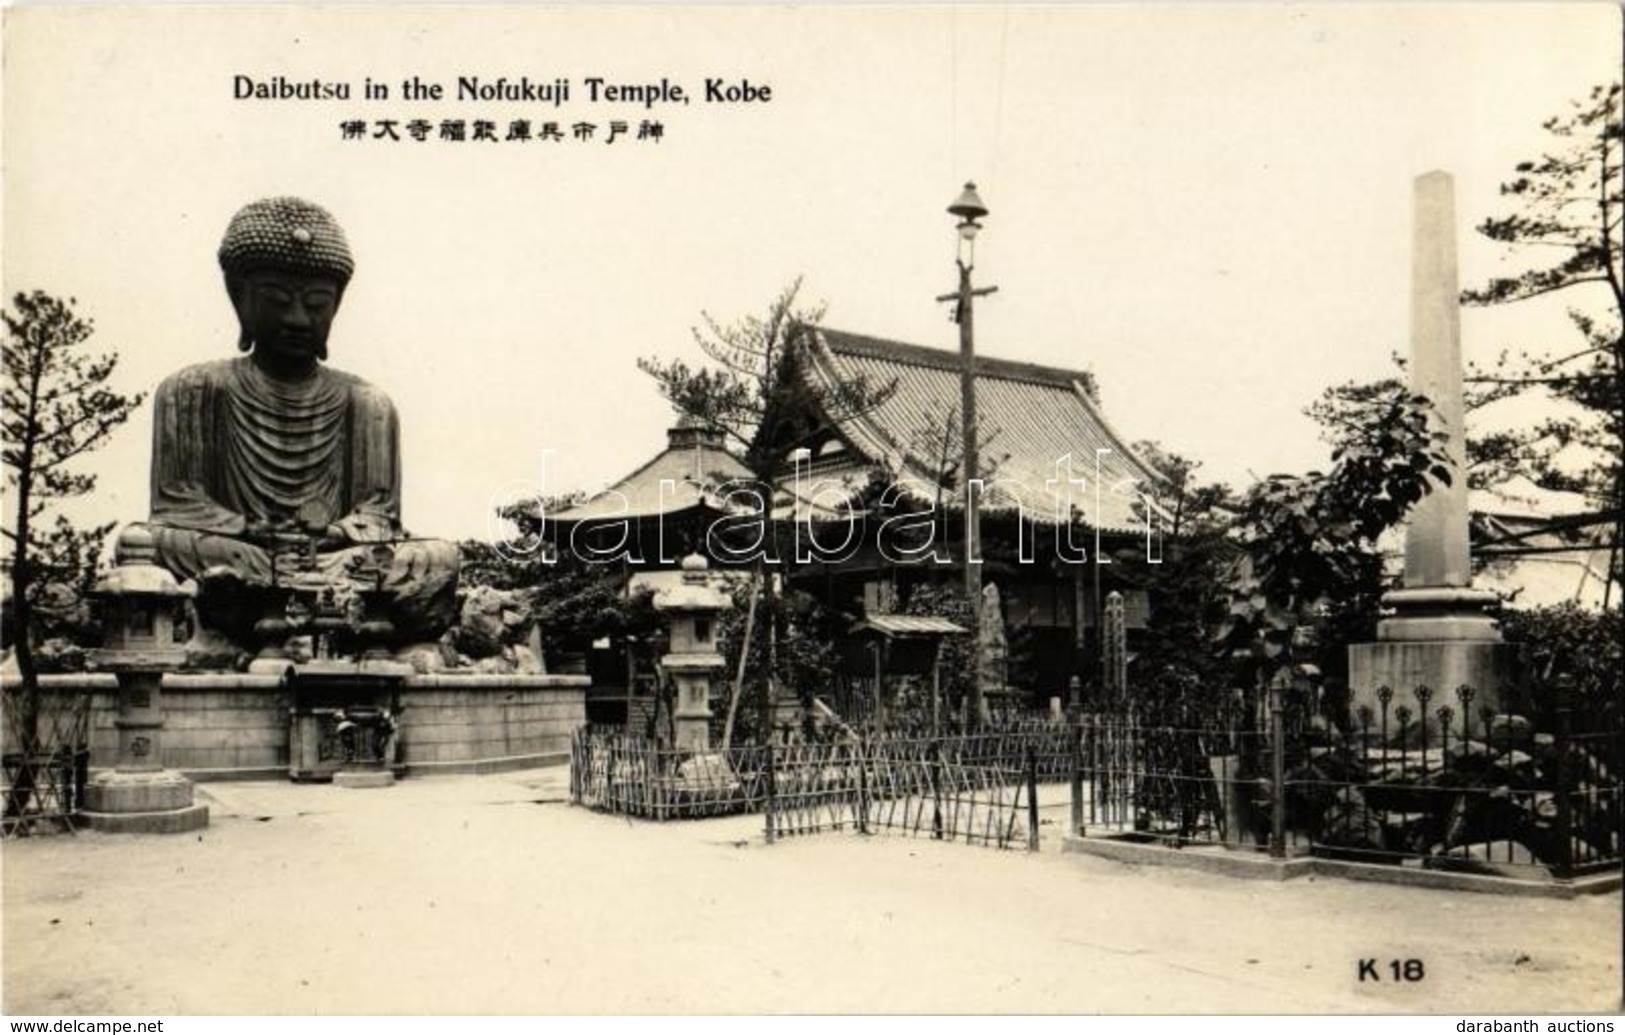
(333, 537)
(274, 534)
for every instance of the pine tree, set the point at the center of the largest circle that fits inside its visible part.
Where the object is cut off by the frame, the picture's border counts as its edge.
(55, 406)
(1568, 219)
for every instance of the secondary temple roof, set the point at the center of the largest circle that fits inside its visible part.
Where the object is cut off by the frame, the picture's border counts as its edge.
(1033, 417)
(684, 476)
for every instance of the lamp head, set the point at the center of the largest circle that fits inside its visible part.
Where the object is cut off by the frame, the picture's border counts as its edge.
(968, 206)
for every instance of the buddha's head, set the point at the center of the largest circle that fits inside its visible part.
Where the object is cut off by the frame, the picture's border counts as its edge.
(286, 264)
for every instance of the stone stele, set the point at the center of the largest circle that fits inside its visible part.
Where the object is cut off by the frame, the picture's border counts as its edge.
(1440, 634)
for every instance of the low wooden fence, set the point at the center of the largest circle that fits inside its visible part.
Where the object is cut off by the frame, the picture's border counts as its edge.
(615, 771)
(978, 789)
(43, 770)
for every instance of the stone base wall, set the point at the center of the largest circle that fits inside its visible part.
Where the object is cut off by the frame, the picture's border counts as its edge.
(485, 723)
(103, 691)
(218, 727)
(236, 726)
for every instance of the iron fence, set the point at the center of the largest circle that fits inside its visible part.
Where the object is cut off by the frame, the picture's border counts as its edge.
(1424, 779)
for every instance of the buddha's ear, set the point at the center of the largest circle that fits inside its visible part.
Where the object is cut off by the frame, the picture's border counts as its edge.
(338, 302)
(236, 287)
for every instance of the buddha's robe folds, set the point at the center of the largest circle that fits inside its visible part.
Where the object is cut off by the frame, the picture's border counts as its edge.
(234, 449)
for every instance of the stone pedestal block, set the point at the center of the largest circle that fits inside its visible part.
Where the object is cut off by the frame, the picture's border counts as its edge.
(180, 821)
(142, 803)
(137, 792)
(1440, 665)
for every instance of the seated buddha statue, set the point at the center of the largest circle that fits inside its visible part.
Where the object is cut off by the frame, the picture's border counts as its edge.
(273, 466)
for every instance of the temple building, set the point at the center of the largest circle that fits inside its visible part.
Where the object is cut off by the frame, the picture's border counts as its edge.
(866, 507)
(1540, 547)
(1064, 492)
(660, 511)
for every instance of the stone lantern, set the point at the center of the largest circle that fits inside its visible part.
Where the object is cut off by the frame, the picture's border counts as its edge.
(691, 611)
(144, 629)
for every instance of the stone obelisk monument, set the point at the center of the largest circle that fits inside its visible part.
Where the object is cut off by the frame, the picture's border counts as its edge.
(1441, 633)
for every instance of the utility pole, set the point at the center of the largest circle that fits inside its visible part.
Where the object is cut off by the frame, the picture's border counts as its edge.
(968, 208)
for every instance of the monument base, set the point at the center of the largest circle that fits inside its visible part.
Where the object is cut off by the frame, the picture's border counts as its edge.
(1440, 637)
(1437, 614)
(157, 802)
(1440, 665)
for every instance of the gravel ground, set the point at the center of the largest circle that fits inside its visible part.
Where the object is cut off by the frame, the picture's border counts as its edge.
(490, 894)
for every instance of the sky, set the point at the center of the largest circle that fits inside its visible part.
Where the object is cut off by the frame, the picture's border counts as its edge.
(1207, 206)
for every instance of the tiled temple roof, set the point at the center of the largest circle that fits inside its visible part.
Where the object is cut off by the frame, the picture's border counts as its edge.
(693, 461)
(1032, 417)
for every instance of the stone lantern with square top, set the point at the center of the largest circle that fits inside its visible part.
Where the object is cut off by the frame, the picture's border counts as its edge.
(691, 609)
(145, 625)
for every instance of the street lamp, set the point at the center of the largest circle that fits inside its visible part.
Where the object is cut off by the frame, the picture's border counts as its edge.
(968, 208)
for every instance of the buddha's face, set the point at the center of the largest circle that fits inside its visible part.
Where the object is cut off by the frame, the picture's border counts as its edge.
(287, 316)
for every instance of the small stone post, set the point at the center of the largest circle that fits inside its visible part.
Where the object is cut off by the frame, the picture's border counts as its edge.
(692, 609)
(1114, 650)
(141, 641)
(993, 647)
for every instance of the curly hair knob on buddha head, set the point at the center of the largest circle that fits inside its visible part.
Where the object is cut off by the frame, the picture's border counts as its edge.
(288, 234)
